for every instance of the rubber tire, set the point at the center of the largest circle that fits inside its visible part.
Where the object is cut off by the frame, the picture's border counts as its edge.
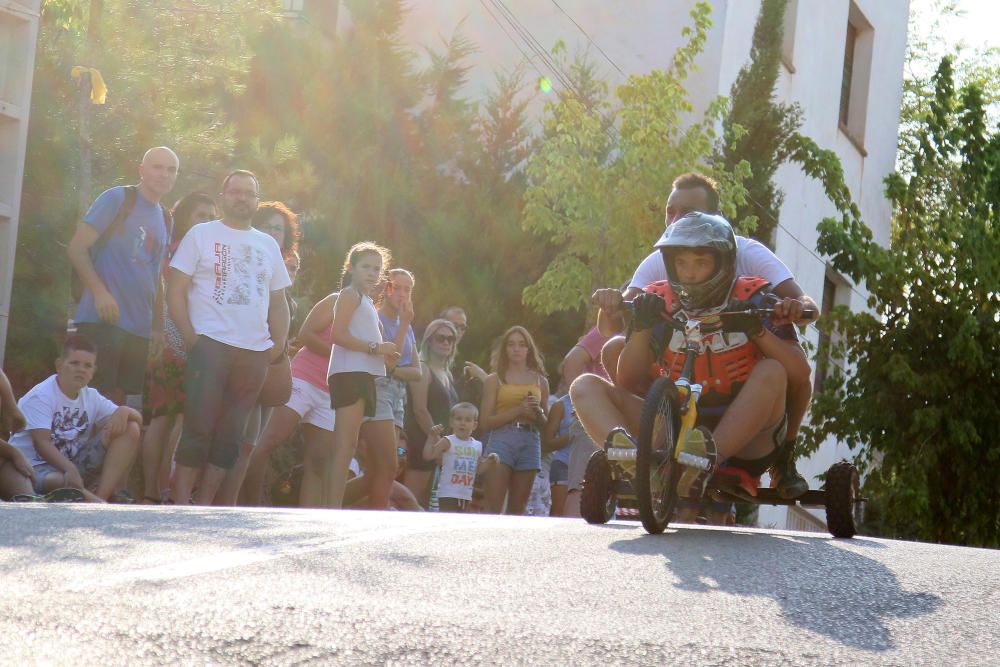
(841, 494)
(598, 501)
(661, 403)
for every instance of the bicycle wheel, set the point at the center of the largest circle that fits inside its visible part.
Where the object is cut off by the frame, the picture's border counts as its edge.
(656, 471)
(597, 499)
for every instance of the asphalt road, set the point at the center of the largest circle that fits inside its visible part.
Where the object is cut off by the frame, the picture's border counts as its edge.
(87, 585)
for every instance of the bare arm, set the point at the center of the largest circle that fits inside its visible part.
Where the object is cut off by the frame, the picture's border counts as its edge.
(418, 391)
(435, 445)
(11, 418)
(279, 318)
(347, 303)
(42, 439)
(316, 322)
(78, 251)
(550, 440)
(178, 284)
(634, 362)
(575, 364)
(791, 313)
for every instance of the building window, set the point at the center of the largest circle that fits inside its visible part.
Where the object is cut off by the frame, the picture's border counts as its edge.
(788, 37)
(836, 292)
(856, 73)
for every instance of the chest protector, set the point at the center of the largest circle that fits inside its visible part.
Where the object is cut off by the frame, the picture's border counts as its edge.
(726, 358)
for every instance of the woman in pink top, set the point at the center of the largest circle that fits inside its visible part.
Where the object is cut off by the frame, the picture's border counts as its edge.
(310, 405)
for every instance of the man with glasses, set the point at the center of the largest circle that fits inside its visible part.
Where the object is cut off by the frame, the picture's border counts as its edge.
(117, 251)
(226, 294)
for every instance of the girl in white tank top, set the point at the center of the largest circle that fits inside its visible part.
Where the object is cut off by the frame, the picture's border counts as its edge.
(358, 356)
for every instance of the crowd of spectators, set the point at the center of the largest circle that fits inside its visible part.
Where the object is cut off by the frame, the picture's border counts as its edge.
(181, 358)
(181, 354)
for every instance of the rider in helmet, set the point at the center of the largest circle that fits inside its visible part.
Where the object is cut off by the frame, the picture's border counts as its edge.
(741, 368)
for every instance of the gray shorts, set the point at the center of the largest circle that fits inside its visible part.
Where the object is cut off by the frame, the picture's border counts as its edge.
(580, 449)
(390, 401)
(89, 460)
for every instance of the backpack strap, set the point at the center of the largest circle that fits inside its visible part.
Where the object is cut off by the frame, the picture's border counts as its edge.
(124, 211)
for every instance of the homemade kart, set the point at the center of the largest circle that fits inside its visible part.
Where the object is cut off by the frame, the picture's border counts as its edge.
(644, 475)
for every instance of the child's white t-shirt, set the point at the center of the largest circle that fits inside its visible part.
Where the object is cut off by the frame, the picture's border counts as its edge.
(72, 422)
(233, 272)
(458, 468)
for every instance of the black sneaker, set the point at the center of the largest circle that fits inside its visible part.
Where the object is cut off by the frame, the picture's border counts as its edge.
(784, 477)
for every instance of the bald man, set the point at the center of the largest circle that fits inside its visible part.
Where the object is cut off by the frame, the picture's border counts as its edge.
(121, 275)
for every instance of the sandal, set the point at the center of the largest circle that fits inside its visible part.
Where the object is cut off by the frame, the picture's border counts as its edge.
(65, 495)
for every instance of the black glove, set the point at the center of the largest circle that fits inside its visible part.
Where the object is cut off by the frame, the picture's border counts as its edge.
(747, 323)
(648, 310)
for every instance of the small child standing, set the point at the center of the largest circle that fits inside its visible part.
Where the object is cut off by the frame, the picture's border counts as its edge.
(460, 457)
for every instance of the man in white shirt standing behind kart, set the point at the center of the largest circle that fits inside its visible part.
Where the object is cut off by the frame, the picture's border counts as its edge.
(226, 294)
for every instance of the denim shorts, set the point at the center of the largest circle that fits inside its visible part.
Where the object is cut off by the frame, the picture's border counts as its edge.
(390, 400)
(518, 448)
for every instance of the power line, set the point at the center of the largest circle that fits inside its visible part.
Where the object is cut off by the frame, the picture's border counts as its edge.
(595, 44)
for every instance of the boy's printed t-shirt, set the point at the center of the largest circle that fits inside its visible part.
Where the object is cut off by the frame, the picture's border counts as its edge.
(233, 272)
(458, 468)
(72, 422)
(129, 260)
(752, 259)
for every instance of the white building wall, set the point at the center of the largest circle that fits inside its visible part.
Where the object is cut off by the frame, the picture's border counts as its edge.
(639, 35)
(18, 32)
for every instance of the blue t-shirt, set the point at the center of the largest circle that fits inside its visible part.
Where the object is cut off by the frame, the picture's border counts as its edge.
(129, 262)
(390, 328)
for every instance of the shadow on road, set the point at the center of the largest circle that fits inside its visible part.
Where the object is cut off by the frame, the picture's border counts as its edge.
(47, 532)
(819, 583)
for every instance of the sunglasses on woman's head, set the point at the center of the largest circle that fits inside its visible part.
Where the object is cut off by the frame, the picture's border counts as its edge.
(442, 338)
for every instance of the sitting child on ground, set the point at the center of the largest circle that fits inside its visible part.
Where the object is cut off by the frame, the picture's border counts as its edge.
(459, 456)
(75, 437)
(741, 366)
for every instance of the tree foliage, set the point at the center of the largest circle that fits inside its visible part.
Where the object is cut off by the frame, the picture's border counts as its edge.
(599, 179)
(923, 400)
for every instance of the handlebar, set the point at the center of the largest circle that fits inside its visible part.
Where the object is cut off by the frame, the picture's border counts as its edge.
(750, 310)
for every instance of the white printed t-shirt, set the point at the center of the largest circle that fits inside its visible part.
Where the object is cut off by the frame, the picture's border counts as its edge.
(753, 258)
(458, 468)
(72, 422)
(233, 272)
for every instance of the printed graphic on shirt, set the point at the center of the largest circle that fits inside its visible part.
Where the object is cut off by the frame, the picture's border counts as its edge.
(240, 272)
(463, 471)
(68, 427)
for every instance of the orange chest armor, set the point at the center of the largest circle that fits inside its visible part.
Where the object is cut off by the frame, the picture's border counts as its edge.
(726, 359)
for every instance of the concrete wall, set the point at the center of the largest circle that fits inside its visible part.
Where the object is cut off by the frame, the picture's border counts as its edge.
(18, 32)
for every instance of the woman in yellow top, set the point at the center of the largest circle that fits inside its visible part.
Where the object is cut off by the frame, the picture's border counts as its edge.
(513, 411)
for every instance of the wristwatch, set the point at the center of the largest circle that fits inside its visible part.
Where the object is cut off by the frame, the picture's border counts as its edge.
(372, 347)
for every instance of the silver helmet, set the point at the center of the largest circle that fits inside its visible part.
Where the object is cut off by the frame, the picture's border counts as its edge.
(707, 232)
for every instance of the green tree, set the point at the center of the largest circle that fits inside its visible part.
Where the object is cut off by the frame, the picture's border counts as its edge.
(597, 188)
(923, 400)
(172, 75)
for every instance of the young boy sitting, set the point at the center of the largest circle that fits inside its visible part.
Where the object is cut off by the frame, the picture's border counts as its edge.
(73, 433)
(460, 457)
(740, 368)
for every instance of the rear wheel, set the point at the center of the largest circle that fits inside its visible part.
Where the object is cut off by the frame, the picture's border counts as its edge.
(597, 498)
(841, 496)
(656, 471)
